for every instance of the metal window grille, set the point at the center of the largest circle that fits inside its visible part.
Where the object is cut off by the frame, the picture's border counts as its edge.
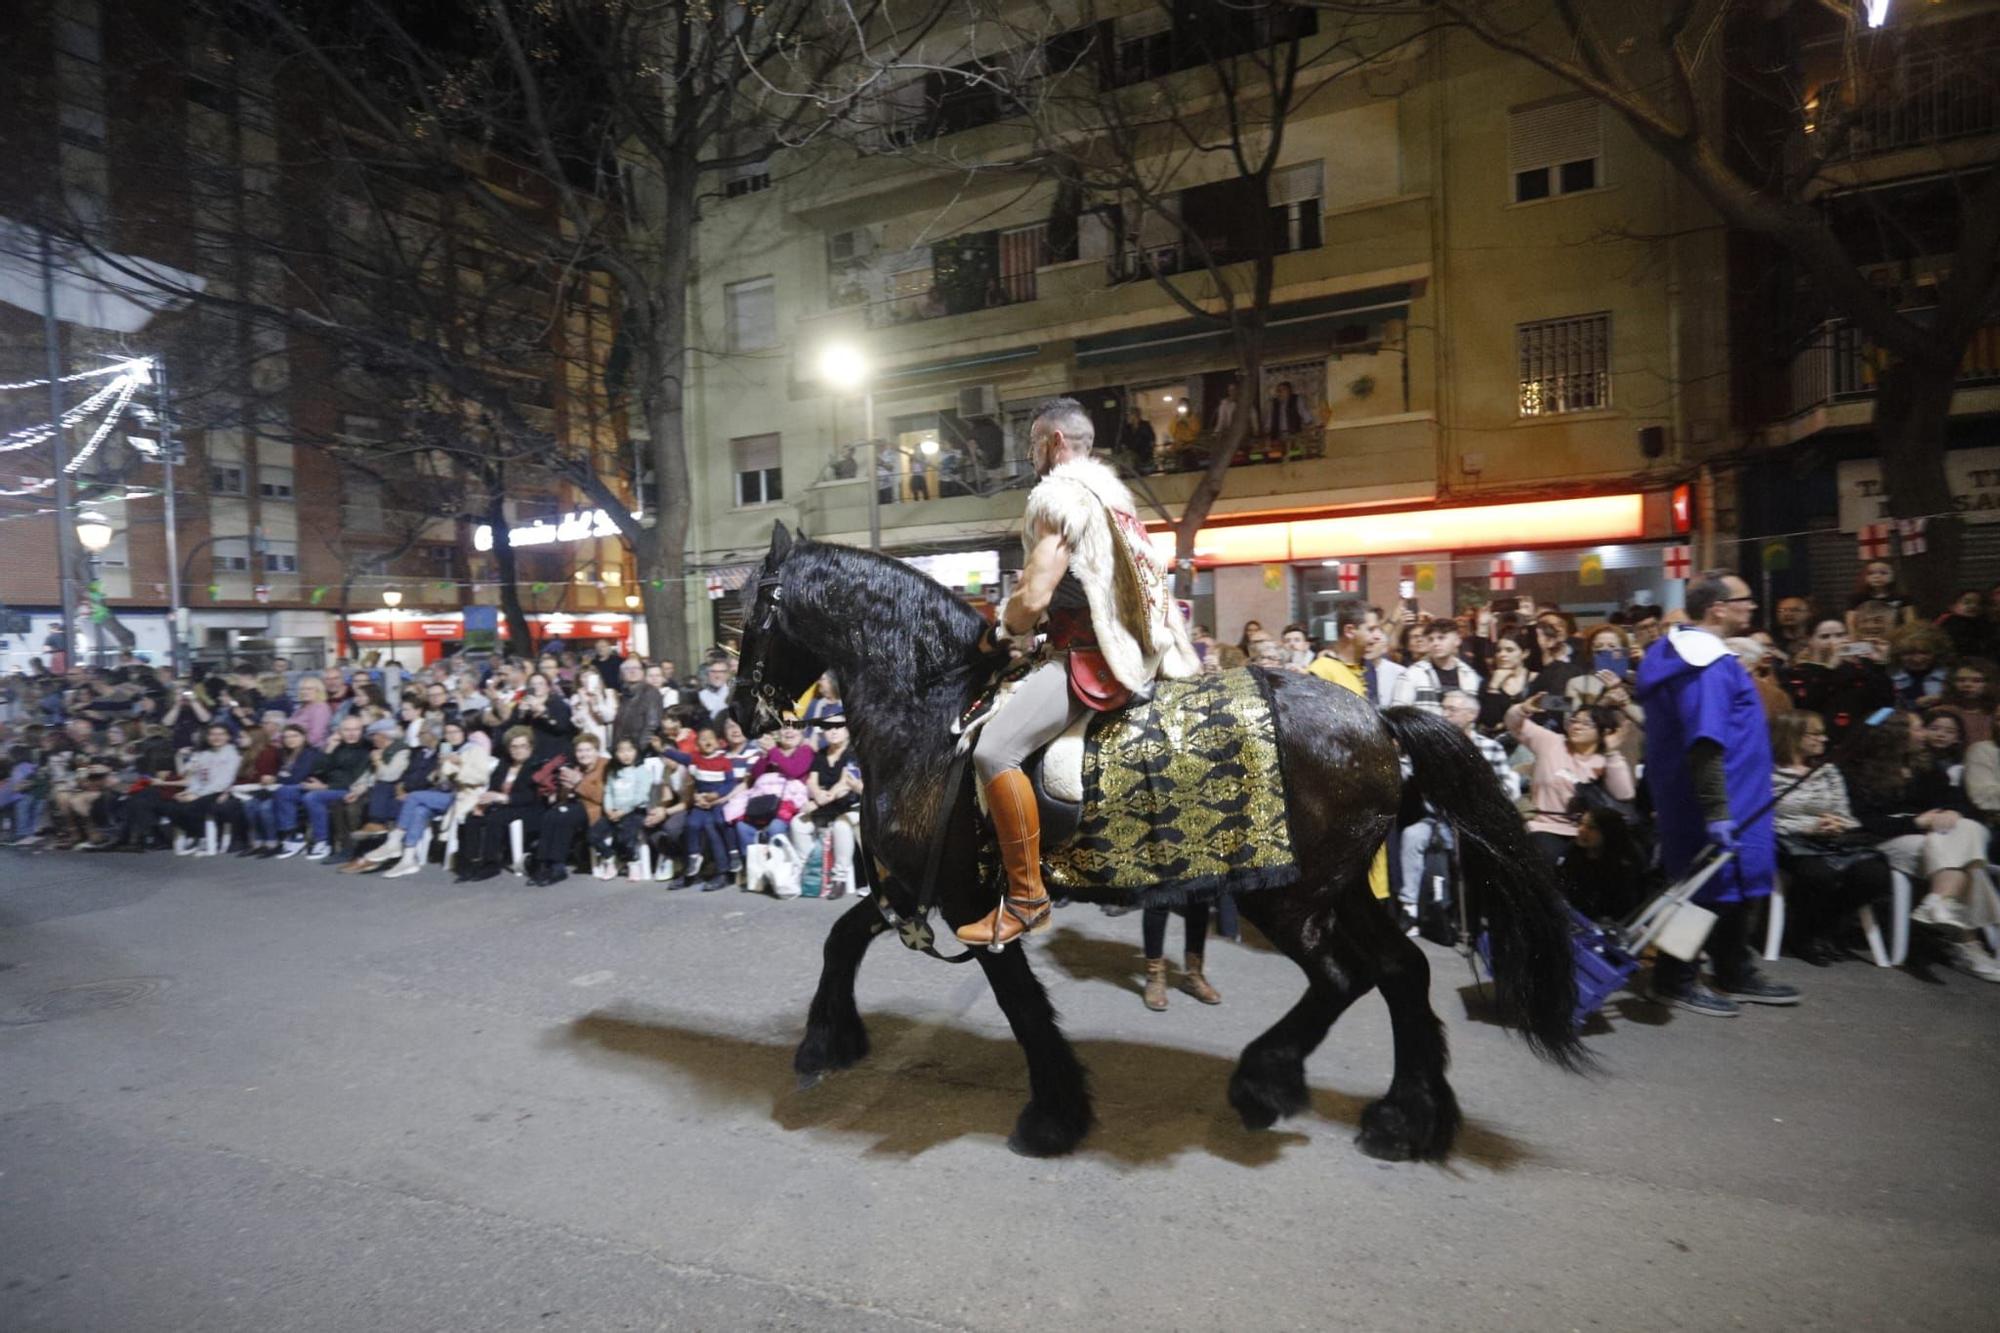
(1565, 365)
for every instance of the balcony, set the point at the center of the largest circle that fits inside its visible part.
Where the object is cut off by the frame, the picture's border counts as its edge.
(1833, 376)
(979, 271)
(1915, 103)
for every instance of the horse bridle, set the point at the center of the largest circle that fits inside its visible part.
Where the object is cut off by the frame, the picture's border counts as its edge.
(766, 613)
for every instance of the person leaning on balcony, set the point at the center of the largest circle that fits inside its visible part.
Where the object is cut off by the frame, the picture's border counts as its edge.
(1287, 415)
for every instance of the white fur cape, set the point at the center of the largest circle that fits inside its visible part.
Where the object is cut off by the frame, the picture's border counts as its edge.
(1071, 501)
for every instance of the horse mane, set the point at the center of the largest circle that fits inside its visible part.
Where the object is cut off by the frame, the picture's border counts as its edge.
(900, 620)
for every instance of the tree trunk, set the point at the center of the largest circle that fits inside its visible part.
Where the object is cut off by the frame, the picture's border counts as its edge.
(520, 636)
(1912, 407)
(663, 393)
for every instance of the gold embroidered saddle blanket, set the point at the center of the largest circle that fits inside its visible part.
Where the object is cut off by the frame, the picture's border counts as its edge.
(1182, 798)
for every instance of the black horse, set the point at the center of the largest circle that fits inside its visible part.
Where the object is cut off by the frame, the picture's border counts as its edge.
(904, 651)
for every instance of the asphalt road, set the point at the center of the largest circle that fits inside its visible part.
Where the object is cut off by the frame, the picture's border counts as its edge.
(244, 1095)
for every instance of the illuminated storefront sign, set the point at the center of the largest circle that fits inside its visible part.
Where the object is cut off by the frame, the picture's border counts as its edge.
(1596, 518)
(582, 526)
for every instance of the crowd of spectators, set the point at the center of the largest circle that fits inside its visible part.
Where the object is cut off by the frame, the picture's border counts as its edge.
(1551, 704)
(579, 758)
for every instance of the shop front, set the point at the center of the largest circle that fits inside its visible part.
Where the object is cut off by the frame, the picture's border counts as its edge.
(415, 639)
(1589, 555)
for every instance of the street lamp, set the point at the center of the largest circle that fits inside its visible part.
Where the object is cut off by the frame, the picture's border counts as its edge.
(842, 366)
(392, 598)
(93, 534)
(631, 601)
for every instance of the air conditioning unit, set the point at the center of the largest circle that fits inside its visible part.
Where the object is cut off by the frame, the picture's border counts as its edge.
(850, 247)
(979, 402)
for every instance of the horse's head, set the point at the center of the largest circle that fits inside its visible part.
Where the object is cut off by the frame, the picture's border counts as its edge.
(775, 668)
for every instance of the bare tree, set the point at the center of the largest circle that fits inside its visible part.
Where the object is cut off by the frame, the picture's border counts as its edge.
(1781, 166)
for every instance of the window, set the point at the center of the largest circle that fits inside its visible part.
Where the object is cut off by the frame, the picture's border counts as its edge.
(281, 557)
(756, 460)
(1295, 207)
(274, 483)
(362, 507)
(231, 555)
(225, 478)
(1555, 148)
(440, 555)
(753, 314)
(1565, 365)
(746, 178)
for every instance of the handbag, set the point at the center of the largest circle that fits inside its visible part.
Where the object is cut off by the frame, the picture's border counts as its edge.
(1091, 681)
(1841, 852)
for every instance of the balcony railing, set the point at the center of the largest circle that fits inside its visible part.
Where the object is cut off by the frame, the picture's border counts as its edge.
(1917, 102)
(1838, 364)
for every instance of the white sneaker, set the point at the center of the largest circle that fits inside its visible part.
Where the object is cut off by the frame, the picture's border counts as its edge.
(408, 865)
(319, 850)
(391, 848)
(292, 847)
(636, 873)
(1938, 910)
(1970, 958)
(185, 846)
(28, 841)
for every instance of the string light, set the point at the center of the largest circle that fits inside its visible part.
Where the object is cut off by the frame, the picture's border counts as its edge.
(28, 436)
(130, 364)
(104, 427)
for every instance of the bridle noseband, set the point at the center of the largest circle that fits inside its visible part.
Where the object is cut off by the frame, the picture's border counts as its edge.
(766, 692)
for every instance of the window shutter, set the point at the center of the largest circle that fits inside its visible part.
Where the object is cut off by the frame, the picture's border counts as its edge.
(1296, 185)
(756, 453)
(1553, 133)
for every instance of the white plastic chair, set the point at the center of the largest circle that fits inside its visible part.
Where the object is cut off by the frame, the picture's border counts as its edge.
(1898, 947)
(517, 845)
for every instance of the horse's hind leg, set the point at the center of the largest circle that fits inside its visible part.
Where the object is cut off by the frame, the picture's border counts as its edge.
(1418, 1118)
(1058, 1112)
(835, 1037)
(1270, 1079)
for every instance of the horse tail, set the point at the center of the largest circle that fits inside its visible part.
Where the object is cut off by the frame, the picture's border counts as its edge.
(1507, 881)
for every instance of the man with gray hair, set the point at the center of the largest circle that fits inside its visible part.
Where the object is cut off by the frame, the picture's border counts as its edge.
(1113, 629)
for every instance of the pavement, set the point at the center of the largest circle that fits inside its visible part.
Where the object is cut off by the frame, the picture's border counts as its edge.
(263, 1096)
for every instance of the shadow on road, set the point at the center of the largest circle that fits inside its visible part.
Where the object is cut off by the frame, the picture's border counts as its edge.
(928, 1084)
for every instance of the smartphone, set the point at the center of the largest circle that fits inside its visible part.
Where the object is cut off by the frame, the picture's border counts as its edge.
(1856, 650)
(1608, 659)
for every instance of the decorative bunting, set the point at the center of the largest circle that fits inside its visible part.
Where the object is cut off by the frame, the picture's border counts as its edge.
(1500, 576)
(1910, 535)
(1427, 578)
(538, 588)
(1777, 556)
(1678, 562)
(1590, 570)
(215, 592)
(318, 595)
(1274, 576)
(1874, 541)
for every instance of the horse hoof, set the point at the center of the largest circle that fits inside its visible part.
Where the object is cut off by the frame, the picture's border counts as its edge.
(1267, 1095)
(826, 1049)
(807, 1082)
(1040, 1133)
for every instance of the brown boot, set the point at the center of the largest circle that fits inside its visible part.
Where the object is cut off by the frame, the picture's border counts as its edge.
(1156, 984)
(1195, 984)
(1017, 826)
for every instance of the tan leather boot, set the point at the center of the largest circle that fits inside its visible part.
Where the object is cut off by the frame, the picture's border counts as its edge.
(1195, 984)
(1017, 826)
(1156, 984)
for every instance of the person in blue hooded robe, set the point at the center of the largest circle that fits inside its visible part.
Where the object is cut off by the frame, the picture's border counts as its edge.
(1708, 766)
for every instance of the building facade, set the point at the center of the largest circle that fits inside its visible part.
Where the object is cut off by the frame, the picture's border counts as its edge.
(302, 495)
(1496, 343)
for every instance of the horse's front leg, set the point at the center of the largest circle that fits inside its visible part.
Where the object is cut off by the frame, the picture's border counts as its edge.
(1058, 1112)
(835, 1037)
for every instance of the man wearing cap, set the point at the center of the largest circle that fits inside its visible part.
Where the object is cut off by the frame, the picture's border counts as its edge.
(1112, 631)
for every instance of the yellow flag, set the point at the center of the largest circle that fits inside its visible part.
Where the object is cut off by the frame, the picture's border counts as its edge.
(1590, 570)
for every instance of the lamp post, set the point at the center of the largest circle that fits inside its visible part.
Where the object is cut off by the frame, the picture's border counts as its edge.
(93, 534)
(842, 366)
(392, 598)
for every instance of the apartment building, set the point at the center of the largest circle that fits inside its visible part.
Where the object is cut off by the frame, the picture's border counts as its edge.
(1897, 121)
(171, 145)
(1495, 365)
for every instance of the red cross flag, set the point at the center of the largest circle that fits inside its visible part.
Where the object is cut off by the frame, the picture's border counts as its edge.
(1350, 578)
(715, 589)
(1500, 576)
(1875, 541)
(1678, 561)
(1910, 535)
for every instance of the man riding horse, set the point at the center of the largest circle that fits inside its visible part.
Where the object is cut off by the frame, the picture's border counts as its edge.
(1113, 629)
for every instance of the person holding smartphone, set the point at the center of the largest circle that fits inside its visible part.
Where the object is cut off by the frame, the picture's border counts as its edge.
(1838, 678)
